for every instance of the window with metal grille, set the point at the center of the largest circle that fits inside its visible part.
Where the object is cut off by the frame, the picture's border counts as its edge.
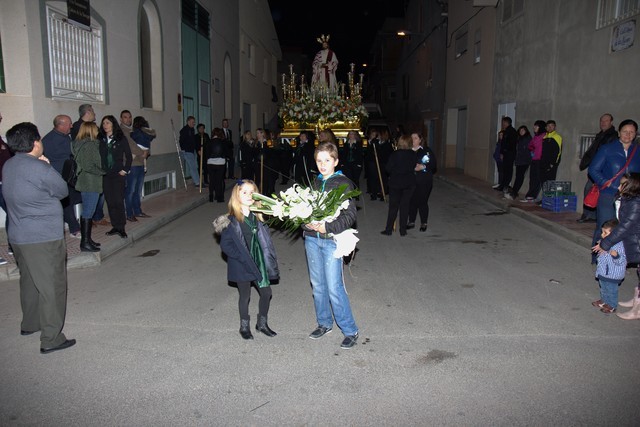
(196, 16)
(612, 11)
(585, 143)
(75, 59)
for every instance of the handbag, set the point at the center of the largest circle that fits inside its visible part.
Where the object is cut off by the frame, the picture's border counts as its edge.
(591, 199)
(70, 171)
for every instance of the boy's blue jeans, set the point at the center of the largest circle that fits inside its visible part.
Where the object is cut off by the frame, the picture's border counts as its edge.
(329, 294)
(609, 291)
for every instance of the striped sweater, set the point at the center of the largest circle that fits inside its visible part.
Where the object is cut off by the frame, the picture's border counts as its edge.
(610, 267)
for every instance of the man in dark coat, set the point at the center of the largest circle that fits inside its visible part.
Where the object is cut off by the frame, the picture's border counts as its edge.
(508, 147)
(57, 148)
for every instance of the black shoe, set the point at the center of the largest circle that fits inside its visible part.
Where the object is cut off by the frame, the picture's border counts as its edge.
(122, 234)
(499, 188)
(245, 332)
(319, 332)
(112, 232)
(349, 341)
(263, 327)
(403, 233)
(143, 215)
(411, 225)
(210, 198)
(374, 197)
(423, 227)
(132, 219)
(583, 220)
(386, 232)
(66, 344)
(25, 333)
(86, 246)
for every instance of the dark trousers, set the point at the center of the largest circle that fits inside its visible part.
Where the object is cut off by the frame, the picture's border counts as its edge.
(399, 200)
(246, 171)
(507, 169)
(373, 179)
(43, 289)
(231, 167)
(521, 171)
(244, 289)
(534, 179)
(352, 171)
(499, 169)
(113, 190)
(547, 173)
(216, 182)
(68, 209)
(420, 198)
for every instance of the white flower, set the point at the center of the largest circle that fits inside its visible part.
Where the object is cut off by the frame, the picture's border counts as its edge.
(301, 210)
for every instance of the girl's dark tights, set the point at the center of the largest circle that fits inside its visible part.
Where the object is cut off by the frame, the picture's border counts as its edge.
(244, 289)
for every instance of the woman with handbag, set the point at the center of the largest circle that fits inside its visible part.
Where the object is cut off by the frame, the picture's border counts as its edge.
(610, 163)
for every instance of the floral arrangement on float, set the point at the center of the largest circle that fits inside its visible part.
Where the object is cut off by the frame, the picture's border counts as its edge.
(319, 106)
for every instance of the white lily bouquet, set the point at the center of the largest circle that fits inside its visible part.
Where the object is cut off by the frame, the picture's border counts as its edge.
(300, 205)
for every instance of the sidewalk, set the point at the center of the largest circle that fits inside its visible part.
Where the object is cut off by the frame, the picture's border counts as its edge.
(562, 223)
(163, 209)
(168, 206)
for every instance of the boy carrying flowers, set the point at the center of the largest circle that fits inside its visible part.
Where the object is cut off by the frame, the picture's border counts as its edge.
(326, 214)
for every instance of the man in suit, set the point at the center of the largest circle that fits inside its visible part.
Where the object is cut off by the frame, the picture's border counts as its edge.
(231, 149)
(32, 190)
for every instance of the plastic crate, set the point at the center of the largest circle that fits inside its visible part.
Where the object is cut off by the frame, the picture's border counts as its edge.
(557, 187)
(560, 203)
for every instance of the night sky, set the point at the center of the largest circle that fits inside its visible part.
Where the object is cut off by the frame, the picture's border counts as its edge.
(352, 24)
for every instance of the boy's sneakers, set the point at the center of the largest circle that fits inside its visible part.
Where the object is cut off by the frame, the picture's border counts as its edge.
(319, 332)
(3, 261)
(349, 341)
(598, 303)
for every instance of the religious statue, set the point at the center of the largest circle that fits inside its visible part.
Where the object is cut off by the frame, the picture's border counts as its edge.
(325, 64)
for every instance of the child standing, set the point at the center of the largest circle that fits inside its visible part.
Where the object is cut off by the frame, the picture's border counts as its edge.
(325, 271)
(251, 256)
(610, 271)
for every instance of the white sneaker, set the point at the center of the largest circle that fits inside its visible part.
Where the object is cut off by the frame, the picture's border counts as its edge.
(76, 235)
(495, 186)
(3, 261)
(508, 196)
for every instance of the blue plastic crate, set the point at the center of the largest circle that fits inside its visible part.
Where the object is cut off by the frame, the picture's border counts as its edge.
(560, 203)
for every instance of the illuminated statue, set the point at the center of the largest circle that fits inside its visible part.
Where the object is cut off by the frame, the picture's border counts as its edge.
(324, 65)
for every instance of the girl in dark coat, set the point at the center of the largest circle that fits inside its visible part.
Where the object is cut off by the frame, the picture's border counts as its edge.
(402, 181)
(251, 256)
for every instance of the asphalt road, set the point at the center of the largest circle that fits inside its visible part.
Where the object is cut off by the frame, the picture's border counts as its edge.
(484, 320)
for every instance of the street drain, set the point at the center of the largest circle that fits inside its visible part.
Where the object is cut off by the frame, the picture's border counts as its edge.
(150, 253)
